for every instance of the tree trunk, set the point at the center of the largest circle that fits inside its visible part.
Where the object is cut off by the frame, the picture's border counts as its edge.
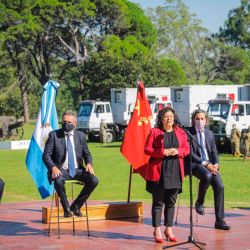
(24, 95)
(25, 107)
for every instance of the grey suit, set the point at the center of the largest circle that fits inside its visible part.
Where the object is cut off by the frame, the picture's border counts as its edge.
(204, 175)
(55, 154)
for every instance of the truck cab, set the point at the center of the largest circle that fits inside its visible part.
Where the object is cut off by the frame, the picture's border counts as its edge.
(223, 114)
(90, 115)
(156, 104)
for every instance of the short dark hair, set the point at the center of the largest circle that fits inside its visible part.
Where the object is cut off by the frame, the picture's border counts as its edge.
(161, 114)
(198, 111)
(69, 112)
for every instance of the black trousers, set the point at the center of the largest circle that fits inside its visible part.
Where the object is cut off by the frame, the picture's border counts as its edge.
(90, 183)
(206, 179)
(162, 197)
(1, 188)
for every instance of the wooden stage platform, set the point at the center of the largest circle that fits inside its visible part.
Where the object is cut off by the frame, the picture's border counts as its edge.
(21, 227)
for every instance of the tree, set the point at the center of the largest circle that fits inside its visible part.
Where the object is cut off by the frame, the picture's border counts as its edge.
(236, 28)
(227, 63)
(128, 61)
(181, 36)
(83, 37)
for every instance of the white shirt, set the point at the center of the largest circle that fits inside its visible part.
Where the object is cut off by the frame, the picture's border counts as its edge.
(71, 136)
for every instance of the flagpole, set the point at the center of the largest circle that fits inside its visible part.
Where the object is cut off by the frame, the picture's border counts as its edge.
(129, 183)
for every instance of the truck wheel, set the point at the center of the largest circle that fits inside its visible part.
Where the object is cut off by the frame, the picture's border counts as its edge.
(110, 136)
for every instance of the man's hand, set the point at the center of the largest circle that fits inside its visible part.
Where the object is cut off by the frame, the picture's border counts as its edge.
(55, 172)
(213, 168)
(90, 169)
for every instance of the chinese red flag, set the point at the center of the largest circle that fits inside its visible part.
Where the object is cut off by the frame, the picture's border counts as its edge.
(137, 132)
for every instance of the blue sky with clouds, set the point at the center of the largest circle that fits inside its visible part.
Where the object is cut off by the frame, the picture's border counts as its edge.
(212, 13)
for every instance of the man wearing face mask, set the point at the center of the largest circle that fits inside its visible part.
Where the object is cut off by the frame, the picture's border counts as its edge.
(64, 152)
(205, 166)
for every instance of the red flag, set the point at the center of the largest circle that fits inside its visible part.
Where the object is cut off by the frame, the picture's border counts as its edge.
(137, 132)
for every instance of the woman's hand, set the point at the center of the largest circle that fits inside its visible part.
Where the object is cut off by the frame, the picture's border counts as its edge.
(171, 152)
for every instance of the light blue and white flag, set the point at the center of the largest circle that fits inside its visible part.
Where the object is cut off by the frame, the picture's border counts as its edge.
(46, 121)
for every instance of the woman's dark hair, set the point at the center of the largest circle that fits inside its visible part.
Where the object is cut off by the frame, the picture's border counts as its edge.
(161, 114)
(198, 111)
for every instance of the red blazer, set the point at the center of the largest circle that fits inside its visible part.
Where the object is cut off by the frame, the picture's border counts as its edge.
(155, 148)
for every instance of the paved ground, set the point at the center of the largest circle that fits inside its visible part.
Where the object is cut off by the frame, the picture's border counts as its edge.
(21, 228)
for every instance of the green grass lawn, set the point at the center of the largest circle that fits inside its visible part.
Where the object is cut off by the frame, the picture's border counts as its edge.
(113, 172)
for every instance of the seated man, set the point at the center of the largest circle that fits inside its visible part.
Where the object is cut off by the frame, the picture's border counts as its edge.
(205, 166)
(1, 189)
(64, 152)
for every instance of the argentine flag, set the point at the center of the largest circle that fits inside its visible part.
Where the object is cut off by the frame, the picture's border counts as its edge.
(46, 121)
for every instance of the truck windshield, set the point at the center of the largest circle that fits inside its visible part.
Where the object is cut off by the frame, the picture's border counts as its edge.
(219, 109)
(85, 109)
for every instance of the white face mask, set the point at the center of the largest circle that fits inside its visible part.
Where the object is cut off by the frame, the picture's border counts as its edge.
(200, 125)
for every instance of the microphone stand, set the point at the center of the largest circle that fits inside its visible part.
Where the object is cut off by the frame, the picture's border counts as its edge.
(191, 238)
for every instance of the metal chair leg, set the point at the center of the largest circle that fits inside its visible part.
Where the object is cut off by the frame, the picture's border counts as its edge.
(51, 210)
(58, 221)
(73, 217)
(87, 216)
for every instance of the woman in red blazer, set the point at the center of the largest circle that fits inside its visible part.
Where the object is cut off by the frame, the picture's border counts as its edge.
(166, 145)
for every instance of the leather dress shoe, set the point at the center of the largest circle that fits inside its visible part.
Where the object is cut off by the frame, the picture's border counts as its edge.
(76, 211)
(67, 212)
(199, 208)
(222, 225)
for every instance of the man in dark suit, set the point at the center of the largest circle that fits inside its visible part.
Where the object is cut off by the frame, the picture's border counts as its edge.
(205, 166)
(1, 189)
(64, 152)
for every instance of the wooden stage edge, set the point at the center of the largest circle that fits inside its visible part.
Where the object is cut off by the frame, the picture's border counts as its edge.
(106, 211)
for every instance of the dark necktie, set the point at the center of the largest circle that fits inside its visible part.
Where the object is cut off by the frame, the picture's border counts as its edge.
(71, 162)
(203, 152)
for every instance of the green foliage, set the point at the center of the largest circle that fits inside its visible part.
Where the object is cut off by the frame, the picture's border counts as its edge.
(163, 72)
(12, 104)
(141, 26)
(181, 37)
(227, 63)
(221, 82)
(236, 28)
(129, 61)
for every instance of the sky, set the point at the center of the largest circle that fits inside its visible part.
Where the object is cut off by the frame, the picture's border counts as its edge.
(212, 13)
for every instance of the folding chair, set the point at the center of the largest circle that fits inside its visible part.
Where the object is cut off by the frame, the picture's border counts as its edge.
(56, 197)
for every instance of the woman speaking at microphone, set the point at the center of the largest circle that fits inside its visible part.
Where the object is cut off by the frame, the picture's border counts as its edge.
(166, 145)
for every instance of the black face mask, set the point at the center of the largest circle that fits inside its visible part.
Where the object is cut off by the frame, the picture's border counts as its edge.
(68, 126)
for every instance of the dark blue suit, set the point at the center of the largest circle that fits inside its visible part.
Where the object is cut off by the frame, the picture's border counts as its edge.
(55, 154)
(203, 174)
(1, 188)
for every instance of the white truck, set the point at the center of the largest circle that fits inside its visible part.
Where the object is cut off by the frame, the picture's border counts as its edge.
(184, 99)
(187, 98)
(223, 114)
(117, 113)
